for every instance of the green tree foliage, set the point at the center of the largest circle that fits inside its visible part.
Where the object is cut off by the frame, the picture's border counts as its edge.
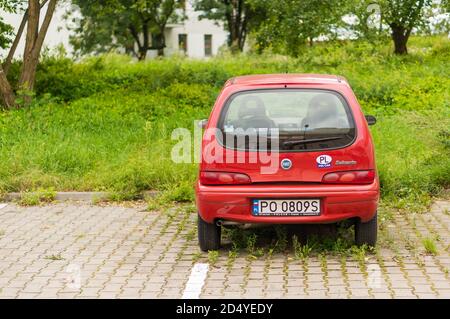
(368, 23)
(6, 30)
(399, 18)
(238, 17)
(135, 25)
(437, 18)
(292, 23)
(403, 16)
(289, 24)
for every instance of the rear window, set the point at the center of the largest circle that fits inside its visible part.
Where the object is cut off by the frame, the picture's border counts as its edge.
(296, 119)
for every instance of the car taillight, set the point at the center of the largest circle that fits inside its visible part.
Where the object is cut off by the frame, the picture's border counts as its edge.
(350, 177)
(223, 178)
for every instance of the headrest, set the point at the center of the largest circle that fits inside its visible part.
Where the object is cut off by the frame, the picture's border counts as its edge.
(322, 106)
(252, 106)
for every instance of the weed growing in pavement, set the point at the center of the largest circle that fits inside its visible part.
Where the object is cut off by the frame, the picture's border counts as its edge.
(253, 251)
(430, 246)
(170, 218)
(54, 257)
(301, 252)
(232, 255)
(359, 253)
(281, 242)
(190, 235)
(213, 256)
(196, 256)
(37, 197)
(251, 242)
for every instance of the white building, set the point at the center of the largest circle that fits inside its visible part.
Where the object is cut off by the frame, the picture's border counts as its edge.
(192, 37)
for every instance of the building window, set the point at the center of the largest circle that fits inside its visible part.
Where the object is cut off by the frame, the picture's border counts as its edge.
(208, 44)
(182, 42)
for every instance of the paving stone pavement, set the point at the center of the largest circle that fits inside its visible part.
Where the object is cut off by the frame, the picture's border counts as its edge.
(72, 250)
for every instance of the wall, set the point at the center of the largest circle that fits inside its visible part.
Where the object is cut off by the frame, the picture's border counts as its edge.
(195, 30)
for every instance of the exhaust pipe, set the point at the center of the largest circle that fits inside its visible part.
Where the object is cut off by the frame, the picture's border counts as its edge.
(221, 222)
(230, 223)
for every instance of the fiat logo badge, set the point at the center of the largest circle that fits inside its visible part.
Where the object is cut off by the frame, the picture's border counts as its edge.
(286, 163)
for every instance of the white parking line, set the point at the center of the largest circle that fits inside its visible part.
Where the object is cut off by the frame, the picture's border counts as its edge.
(196, 281)
(3, 205)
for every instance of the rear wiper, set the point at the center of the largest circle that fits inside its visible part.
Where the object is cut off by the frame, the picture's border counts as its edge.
(312, 140)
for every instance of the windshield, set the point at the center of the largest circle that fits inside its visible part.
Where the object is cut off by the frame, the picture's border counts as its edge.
(298, 119)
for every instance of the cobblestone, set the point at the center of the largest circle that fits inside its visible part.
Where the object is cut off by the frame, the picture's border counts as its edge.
(70, 250)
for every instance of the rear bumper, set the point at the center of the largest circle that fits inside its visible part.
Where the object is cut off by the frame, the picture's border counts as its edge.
(338, 202)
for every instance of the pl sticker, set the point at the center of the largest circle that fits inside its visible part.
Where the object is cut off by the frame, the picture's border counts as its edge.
(323, 161)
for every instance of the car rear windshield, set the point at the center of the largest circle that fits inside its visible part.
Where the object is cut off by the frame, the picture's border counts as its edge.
(296, 119)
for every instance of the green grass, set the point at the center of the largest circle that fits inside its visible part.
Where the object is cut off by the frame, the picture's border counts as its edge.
(54, 257)
(105, 124)
(259, 242)
(430, 246)
(301, 252)
(213, 256)
(37, 197)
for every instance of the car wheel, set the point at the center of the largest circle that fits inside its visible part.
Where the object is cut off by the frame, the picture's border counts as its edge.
(366, 233)
(208, 235)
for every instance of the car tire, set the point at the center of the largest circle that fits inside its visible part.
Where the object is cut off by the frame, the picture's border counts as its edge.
(366, 233)
(208, 235)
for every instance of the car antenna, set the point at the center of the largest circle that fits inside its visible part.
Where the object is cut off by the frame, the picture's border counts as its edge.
(304, 130)
(304, 133)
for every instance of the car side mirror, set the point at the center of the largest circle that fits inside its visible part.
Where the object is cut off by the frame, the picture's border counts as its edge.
(371, 120)
(202, 123)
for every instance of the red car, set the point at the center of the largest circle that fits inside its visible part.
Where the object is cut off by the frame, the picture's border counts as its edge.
(287, 149)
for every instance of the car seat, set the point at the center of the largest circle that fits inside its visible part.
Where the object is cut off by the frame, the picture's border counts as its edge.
(252, 114)
(323, 113)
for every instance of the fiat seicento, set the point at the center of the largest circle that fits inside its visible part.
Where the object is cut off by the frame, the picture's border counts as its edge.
(287, 149)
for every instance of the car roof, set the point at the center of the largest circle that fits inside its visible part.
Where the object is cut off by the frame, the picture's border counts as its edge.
(287, 78)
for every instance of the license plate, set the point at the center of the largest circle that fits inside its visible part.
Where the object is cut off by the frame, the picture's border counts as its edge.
(286, 207)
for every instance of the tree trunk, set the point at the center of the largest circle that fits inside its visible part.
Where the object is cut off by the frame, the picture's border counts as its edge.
(6, 91)
(137, 41)
(243, 33)
(33, 45)
(235, 45)
(161, 42)
(12, 50)
(28, 75)
(145, 42)
(233, 29)
(142, 54)
(400, 36)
